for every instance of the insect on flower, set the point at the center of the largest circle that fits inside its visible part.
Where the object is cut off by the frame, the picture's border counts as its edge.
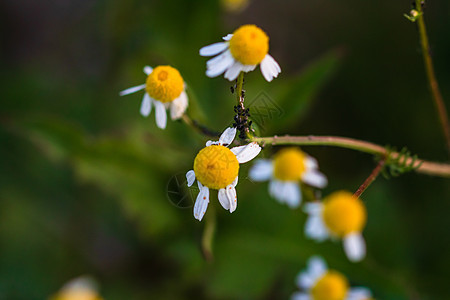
(285, 170)
(217, 167)
(339, 215)
(164, 88)
(319, 283)
(241, 51)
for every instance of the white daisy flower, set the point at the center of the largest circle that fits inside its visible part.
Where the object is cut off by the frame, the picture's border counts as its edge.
(319, 283)
(217, 167)
(288, 167)
(81, 288)
(164, 88)
(241, 51)
(340, 215)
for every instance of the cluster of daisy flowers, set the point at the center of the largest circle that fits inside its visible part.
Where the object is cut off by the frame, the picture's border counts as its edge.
(339, 216)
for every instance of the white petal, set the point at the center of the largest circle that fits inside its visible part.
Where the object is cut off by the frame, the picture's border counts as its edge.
(80, 284)
(355, 247)
(161, 115)
(148, 70)
(227, 136)
(247, 152)
(311, 163)
(178, 106)
(219, 59)
(190, 176)
(201, 204)
(261, 170)
(232, 197)
(304, 280)
(235, 181)
(228, 37)
(314, 178)
(248, 68)
(316, 267)
(132, 90)
(269, 68)
(286, 192)
(300, 296)
(200, 185)
(313, 208)
(233, 71)
(222, 195)
(146, 105)
(359, 293)
(315, 228)
(219, 64)
(213, 49)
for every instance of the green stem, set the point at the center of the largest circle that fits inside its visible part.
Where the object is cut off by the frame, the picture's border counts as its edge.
(208, 233)
(425, 167)
(437, 96)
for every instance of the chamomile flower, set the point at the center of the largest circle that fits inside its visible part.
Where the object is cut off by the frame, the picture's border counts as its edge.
(339, 215)
(319, 283)
(81, 288)
(241, 51)
(164, 88)
(216, 167)
(285, 170)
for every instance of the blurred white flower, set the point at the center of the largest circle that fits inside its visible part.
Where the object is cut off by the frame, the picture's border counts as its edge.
(319, 283)
(340, 215)
(80, 288)
(287, 168)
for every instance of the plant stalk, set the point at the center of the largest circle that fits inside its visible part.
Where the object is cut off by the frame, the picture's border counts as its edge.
(425, 167)
(434, 86)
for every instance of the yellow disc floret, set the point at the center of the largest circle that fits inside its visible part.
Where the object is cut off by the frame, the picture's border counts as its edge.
(343, 213)
(76, 295)
(216, 167)
(289, 164)
(249, 45)
(164, 84)
(331, 286)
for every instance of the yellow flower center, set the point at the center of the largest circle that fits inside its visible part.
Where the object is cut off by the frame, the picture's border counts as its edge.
(249, 45)
(343, 213)
(332, 286)
(164, 84)
(216, 166)
(76, 295)
(289, 164)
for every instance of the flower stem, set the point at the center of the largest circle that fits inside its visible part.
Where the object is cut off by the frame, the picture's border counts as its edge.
(198, 127)
(437, 96)
(208, 233)
(371, 178)
(424, 167)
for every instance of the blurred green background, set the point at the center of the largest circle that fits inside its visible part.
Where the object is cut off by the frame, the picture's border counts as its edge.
(85, 181)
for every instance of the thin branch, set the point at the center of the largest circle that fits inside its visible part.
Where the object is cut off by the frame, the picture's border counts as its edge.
(425, 167)
(198, 127)
(437, 96)
(371, 178)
